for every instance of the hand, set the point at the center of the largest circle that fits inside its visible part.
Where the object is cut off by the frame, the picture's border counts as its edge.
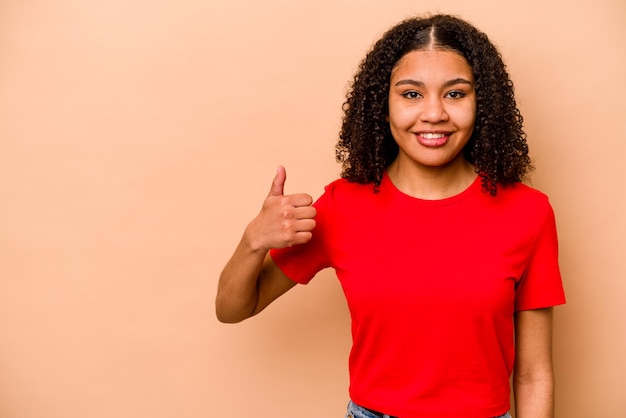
(284, 220)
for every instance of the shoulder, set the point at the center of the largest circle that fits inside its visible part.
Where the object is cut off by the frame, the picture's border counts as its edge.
(343, 197)
(520, 193)
(342, 190)
(524, 202)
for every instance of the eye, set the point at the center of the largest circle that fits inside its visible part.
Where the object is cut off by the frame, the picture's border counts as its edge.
(412, 94)
(456, 94)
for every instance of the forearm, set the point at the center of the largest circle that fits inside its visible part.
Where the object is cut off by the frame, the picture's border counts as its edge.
(250, 280)
(237, 292)
(534, 395)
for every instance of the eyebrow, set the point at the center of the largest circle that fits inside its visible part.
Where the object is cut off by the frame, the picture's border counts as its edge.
(446, 84)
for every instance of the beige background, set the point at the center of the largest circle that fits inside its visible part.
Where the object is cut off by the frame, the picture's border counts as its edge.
(138, 137)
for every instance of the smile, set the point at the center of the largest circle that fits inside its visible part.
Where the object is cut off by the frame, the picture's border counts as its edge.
(432, 135)
(432, 139)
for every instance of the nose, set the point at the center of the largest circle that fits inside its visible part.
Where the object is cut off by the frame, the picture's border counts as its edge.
(433, 110)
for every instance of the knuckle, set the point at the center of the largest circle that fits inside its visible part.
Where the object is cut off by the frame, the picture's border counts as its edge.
(285, 226)
(286, 238)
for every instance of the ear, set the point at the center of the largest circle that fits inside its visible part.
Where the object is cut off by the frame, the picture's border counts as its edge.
(387, 118)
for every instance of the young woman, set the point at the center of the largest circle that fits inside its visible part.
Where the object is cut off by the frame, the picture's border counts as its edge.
(448, 262)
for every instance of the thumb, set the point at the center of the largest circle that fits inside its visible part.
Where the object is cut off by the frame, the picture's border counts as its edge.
(278, 185)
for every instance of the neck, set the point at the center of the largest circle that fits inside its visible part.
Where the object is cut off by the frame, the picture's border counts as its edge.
(432, 183)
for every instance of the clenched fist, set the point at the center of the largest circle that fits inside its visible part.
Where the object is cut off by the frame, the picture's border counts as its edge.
(284, 220)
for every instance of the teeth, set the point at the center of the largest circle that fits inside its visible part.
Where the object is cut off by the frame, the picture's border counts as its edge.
(432, 136)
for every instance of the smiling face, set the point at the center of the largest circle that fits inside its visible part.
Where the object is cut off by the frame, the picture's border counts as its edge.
(432, 109)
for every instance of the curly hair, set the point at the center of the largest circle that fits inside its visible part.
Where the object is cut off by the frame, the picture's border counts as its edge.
(497, 147)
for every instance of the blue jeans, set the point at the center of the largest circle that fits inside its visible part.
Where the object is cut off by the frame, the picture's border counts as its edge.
(356, 411)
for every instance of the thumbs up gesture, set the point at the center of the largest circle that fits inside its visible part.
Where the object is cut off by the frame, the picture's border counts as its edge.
(284, 220)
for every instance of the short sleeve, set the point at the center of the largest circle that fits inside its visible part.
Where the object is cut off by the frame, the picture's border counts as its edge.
(302, 262)
(541, 284)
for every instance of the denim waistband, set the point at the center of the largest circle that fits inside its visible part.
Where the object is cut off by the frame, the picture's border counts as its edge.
(357, 411)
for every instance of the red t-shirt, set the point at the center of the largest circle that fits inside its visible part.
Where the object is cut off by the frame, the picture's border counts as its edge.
(432, 286)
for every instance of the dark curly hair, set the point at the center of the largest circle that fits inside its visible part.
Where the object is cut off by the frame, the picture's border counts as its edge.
(497, 147)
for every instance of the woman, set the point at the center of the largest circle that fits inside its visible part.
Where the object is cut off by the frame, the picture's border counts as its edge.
(448, 262)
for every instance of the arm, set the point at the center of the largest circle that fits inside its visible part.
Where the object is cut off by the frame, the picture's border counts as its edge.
(250, 280)
(533, 378)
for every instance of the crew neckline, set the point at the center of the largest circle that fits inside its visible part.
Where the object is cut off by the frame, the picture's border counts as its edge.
(475, 186)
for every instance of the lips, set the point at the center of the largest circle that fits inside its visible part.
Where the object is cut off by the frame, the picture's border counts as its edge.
(432, 139)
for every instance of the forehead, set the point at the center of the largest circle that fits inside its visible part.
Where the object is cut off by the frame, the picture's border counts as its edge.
(432, 62)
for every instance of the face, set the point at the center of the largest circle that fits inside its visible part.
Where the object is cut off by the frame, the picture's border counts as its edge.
(432, 108)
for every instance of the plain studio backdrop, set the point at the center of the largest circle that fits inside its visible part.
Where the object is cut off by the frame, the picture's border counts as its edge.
(138, 138)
